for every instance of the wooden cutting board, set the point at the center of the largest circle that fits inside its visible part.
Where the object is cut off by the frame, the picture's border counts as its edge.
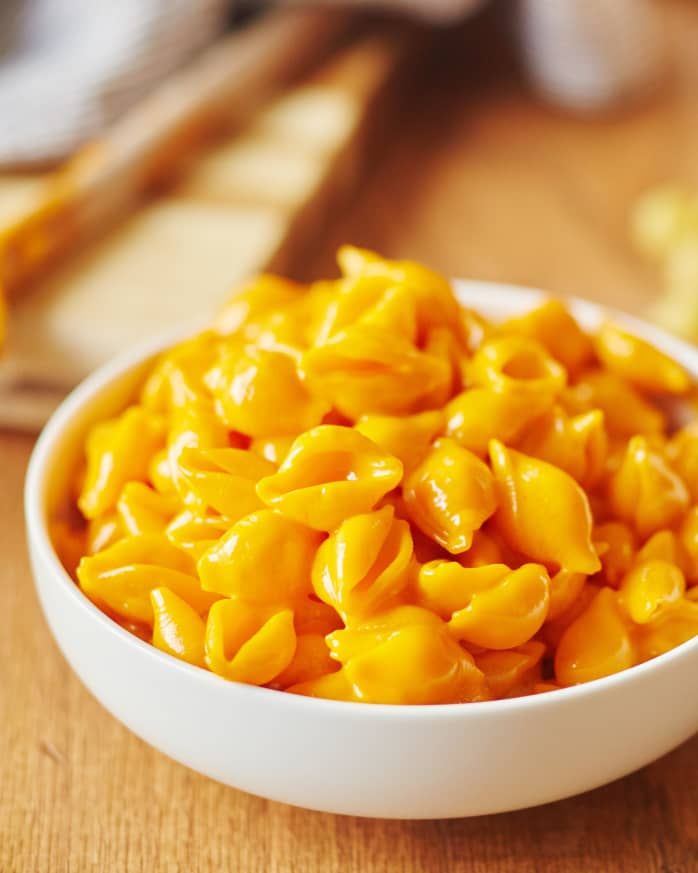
(252, 201)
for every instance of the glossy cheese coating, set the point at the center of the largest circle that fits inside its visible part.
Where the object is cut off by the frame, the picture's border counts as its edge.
(358, 490)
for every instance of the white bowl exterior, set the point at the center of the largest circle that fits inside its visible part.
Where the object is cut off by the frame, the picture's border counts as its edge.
(380, 761)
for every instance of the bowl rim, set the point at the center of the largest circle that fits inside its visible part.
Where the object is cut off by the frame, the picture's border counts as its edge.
(497, 296)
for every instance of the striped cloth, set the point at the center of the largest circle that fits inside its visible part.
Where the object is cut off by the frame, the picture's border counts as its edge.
(70, 67)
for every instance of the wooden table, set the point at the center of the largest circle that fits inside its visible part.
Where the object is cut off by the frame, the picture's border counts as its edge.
(481, 180)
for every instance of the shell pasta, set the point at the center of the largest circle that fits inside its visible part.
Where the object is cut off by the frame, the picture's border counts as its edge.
(360, 490)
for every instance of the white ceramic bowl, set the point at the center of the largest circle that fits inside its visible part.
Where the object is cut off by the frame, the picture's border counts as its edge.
(370, 760)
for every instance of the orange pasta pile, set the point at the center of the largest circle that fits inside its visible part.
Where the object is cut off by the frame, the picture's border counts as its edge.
(360, 490)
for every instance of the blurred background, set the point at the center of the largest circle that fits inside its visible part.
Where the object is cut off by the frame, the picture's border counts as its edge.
(155, 153)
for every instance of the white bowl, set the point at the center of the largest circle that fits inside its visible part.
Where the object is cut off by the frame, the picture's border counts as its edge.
(371, 760)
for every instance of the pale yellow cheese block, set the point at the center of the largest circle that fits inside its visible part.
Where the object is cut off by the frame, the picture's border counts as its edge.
(254, 169)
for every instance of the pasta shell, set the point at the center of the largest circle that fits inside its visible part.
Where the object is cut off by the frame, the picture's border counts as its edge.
(450, 495)
(330, 473)
(543, 512)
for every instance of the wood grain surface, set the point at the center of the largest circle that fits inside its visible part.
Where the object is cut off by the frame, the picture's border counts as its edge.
(479, 180)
